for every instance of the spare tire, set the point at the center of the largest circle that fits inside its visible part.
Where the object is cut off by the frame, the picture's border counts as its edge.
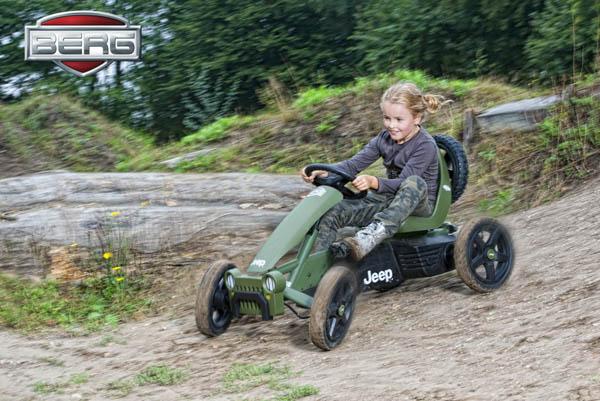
(458, 165)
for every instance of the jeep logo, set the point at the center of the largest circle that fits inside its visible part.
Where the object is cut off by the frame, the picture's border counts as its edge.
(258, 263)
(384, 275)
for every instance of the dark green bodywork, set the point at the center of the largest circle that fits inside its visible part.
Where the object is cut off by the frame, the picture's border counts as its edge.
(298, 229)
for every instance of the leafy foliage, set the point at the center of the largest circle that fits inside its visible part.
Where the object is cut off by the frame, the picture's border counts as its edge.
(565, 39)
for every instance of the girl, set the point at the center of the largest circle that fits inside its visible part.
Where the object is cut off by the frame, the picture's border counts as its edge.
(410, 156)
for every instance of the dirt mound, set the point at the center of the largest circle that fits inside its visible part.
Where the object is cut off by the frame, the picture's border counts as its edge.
(57, 132)
(430, 339)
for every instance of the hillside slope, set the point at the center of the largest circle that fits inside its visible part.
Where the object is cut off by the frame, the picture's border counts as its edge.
(538, 338)
(57, 132)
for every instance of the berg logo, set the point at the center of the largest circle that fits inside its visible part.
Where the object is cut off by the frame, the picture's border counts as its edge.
(82, 42)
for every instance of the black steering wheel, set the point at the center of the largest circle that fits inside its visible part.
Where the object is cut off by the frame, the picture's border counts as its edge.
(336, 179)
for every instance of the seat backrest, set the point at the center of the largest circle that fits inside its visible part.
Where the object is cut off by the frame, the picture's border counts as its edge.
(442, 204)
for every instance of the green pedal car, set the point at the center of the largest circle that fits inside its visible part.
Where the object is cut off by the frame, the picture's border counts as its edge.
(481, 252)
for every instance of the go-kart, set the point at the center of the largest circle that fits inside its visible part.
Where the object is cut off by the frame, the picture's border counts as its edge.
(481, 252)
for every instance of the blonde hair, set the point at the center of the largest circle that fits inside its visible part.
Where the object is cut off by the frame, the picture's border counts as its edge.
(411, 96)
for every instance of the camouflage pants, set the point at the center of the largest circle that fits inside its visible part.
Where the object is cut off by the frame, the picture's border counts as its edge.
(391, 210)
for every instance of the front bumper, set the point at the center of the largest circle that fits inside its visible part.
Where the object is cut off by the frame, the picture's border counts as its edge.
(249, 295)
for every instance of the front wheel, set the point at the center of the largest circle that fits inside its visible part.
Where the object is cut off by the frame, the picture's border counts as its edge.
(213, 311)
(333, 307)
(483, 254)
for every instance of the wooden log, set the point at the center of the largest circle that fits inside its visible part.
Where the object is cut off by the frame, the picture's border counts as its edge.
(469, 128)
(54, 221)
(520, 116)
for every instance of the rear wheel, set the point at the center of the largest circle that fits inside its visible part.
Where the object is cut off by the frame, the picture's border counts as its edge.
(483, 254)
(213, 311)
(333, 307)
(458, 165)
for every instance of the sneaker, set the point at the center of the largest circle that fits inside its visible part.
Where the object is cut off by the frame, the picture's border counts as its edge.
(340, 250)
(365, 240)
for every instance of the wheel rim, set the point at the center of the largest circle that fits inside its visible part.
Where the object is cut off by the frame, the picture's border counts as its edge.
(220, 312)
(490, 254)
(339, 312)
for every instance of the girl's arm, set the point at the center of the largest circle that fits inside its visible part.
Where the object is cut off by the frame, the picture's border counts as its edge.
(363, 159)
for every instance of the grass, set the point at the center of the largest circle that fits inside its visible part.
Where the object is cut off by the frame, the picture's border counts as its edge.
(45, 388)
(52, 361)
(243, 377)
(110, 339)
(48, 388)
(120, 388)
(524, 170)
(217, 130)
(161, 375)
(331, 123)
(59, 132)
(315, 96)
(94, 304)
(501, 204)
(270, 142)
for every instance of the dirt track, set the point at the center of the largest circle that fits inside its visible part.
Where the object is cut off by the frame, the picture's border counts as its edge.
(431, 339)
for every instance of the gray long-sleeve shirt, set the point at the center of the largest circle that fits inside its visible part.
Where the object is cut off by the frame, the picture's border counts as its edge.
(418, 157)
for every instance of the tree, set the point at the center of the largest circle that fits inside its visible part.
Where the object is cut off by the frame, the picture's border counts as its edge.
(564, 41)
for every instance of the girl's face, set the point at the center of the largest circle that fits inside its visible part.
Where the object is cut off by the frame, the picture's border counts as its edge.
(399, 121)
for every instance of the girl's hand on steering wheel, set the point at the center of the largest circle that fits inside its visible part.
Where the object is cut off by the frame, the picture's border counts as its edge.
(316, 173)
(365, 182)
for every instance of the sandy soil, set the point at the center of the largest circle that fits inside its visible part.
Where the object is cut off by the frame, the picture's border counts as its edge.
(538, 338)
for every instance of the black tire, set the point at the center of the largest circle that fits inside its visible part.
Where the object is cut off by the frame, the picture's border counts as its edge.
(483, 254)
(213, 312)
(458, 165)
(333, 307)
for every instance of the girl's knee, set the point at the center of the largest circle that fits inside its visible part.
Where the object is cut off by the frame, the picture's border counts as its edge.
(334, 217)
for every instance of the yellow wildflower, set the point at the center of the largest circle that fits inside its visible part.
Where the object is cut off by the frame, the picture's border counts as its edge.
(120, 278)
(145, 203)
(116, 268)
(115, 214)
(107, 255)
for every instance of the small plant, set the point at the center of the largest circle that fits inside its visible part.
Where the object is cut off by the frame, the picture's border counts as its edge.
(161, 375)
(243, 377)
(121, 387)
(324, 128)
(109, 339)
(52, 361)
(48, 388)
(327, 125)
(297, 392)
(501, 204)
(79, 378)
(488, 154)
(45, 388)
